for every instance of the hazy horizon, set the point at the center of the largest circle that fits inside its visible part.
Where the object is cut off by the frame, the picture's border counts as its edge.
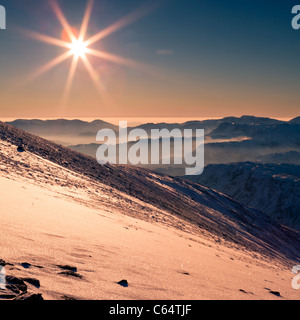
(137, 120)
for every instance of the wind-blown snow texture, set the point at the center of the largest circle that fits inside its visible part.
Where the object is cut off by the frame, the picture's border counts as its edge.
(146, 195)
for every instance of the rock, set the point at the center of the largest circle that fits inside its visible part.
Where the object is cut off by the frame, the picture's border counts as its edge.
(26, 265)
(2, 263)
(16, 282)
(71, 273)
(65, 297)
(247, 292)
(276, 293)
(13, 288)
(6, 295)
(29, 297)
(66, 267)
(34, 282)
(123, 283)
(20, 149)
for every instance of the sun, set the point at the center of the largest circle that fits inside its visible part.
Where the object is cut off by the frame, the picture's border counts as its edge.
(78, 47)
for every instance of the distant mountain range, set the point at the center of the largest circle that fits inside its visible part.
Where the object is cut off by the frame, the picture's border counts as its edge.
(270, 134)
(79, 127)
(274, 189)
(230, 139)
(295, 120)
(61, 127)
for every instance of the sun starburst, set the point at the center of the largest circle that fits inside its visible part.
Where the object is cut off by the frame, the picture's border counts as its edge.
(78, 47)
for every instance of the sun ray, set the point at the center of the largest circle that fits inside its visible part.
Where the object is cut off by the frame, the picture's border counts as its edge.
(70, 80)
(45, 38)
(125, 21)
(86, 20)
(50, 65)
(123, 61)
(78, 48)
(62, 19)
(95, 78)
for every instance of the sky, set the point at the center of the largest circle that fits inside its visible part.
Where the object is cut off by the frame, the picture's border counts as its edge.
(185, 58)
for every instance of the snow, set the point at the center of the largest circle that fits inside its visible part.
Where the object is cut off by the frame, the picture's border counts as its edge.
(169, 238)
(271, 188)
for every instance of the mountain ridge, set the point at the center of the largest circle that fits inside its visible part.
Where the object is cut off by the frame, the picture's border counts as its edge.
(37, 126)
(272, 188)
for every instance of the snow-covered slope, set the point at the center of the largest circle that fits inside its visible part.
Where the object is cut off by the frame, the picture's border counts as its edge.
(53, 245)
(271, 188)
(145, 194)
